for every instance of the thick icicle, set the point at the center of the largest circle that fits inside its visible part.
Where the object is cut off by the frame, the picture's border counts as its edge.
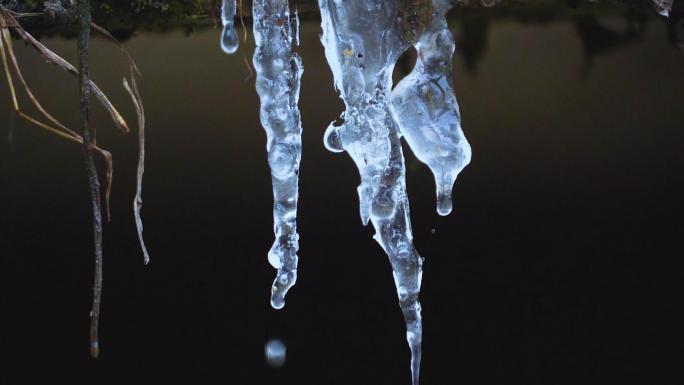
(279, 71)
(427, 110)
(363, 40)
(229, 38)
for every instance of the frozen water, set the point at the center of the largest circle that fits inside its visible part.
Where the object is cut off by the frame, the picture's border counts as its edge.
(279, 72)
(427, 110)
(363, 40)
(275, 352)
(229, 38)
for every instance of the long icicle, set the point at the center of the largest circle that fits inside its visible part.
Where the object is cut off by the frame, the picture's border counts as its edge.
(363, 40)
(279, 72)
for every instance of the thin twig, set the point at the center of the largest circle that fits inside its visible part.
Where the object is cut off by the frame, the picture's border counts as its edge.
(10, 50)
(123, 49)
(140, 111)
(249, 67)
(52, 57)
(83, 12)
(242, 21)
(62, 130)
(132, 89)
(7, 71)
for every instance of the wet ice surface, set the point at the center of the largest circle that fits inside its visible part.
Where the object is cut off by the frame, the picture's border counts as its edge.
(278, 75)
(229, 38)
(363, 40)
(427, 111)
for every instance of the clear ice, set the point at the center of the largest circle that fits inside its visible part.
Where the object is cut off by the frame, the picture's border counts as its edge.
(363, 40)
(427, 111)
(279, 72)
(229, 38)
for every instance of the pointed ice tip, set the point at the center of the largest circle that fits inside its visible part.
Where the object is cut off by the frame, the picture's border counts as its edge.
(229, 40)
(664, 12)
(444, 205)
(277, 301)
(94, 350)
(444, 209)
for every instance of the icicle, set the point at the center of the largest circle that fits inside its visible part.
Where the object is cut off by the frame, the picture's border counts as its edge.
(363, 40)
(279, 71)
(229, 38)
(427, 110)
(663, 6)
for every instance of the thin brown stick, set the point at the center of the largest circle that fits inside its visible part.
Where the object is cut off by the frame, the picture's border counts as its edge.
(83, 13)
(6, 42)
(132, 89)
(249, 67)
(123, 49)
(242, 21)
(10, 50)
(52, 57)
(7, 71)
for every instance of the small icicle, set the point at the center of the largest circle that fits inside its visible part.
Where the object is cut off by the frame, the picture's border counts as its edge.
(427, 111)
(229, 38)
(297, 26)
(363, 40)
(279, 72)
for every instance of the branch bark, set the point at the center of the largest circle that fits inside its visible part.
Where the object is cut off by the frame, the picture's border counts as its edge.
(84, 20)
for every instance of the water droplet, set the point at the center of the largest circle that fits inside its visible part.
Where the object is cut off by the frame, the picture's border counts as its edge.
(229, 39)
(275, 352)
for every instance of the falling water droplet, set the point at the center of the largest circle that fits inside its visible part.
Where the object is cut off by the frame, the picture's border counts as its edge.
(229, 38)
(275, 352)
(444, 204)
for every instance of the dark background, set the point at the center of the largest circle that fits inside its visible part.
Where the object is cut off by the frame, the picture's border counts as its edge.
(561, 263)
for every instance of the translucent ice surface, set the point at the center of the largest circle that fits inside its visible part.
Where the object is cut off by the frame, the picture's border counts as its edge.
(229, 38)
(279, 72)
(363, 40)
(427, 110)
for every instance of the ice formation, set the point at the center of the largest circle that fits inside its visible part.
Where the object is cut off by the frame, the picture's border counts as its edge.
(229, 38)
(363, 41)
(279, 71)
(427, 111)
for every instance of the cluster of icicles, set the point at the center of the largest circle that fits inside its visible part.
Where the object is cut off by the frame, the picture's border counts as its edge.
(363, 40)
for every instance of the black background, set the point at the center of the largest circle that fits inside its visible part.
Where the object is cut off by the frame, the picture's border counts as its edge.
(561, 263)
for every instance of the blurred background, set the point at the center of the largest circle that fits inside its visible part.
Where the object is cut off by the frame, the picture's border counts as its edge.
(561, 263)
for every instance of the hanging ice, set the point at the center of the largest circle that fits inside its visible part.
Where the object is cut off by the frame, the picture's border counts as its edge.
(427, 110)
(229, 38)
(279, 71)
(363, 39)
